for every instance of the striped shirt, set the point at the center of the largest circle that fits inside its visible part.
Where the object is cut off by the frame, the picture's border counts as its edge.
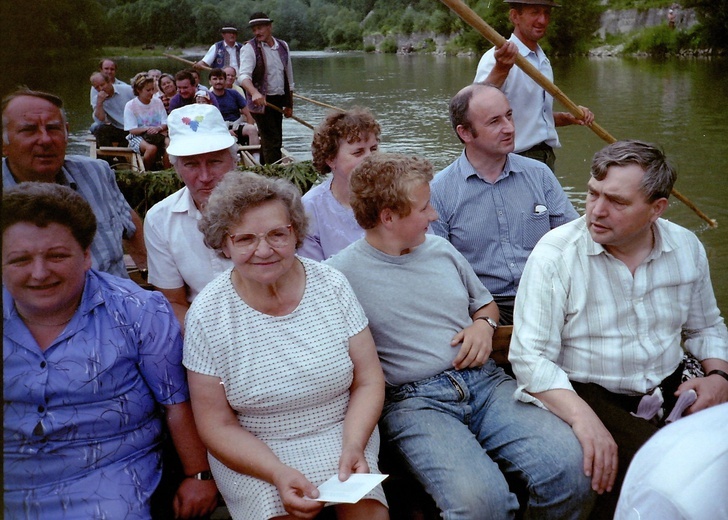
(496, 225)
(95, 182)
(580, 314)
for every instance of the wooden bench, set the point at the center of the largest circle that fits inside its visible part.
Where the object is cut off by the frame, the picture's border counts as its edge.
(246, 152)
(129, 156)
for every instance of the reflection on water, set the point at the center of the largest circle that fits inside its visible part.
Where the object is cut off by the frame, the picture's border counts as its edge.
(679, 104)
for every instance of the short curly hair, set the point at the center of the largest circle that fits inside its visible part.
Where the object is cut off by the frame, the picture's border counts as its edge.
(240, 191)
(386, 180)
(44, 203)
(352, 125)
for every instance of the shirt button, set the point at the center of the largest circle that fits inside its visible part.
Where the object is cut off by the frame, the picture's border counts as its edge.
(41, 408)
(42, 364)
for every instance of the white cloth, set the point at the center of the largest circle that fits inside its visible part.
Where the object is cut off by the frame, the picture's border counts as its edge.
(286, 377)
(139, 115)
(273, 68)
(581, 315)
(209, 57)
(176, 253)
(533, 107)
(331, 226)
(681, 473)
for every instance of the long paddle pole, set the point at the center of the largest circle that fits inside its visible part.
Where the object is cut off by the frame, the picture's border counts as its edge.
(490, 34)
(304, 123)
(205, 67)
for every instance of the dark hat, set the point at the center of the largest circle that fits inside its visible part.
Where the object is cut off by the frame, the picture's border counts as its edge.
(259, 19)
(533, 2)
(229, 29)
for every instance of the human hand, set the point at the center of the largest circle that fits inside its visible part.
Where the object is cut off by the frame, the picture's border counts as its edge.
(258, 99)
(153, 130)
(600, 452)
(505, 56)
(102, 96)
(352, 460)
(287, 111)
(477, 345)
(292, 487)
(588, 117)
(195, 498)
(711, 390)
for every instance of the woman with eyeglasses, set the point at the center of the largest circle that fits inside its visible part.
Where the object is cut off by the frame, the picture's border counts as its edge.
(285, 382)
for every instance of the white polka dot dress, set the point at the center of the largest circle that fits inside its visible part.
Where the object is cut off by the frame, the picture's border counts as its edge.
(287, 377)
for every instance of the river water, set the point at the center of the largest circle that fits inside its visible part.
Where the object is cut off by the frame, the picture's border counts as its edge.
(679, 104)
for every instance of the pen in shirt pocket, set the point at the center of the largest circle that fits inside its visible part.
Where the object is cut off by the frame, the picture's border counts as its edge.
(539, 209)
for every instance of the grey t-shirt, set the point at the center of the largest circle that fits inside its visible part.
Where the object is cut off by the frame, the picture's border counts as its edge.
(415, 303)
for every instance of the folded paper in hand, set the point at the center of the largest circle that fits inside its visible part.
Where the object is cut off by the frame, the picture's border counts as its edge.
(349, 491)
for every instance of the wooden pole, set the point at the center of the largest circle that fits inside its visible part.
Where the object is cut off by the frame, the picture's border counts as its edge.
(490, 34)
(205, 67)
(318, 102)
(304, 123)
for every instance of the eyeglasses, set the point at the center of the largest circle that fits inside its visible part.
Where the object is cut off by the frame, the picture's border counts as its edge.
(247, 242)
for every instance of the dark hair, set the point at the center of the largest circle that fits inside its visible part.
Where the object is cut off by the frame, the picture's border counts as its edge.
(351, 125)
(185, 75)
(460, 105)
(164, 75)
(101, 62)
(217, 73)
(44, 203)
(660, 175)
(386, 181)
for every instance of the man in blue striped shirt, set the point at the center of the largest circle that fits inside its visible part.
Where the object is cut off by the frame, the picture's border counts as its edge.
(35, 136)
(495, 205)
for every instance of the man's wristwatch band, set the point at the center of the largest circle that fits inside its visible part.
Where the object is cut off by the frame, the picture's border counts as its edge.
(490, 321)
(202, 475)
(717, 373)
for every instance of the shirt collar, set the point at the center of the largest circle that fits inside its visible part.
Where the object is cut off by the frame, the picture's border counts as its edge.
(663, 242)
(64, 177)
(467, 170)
(525, 51)
(185, 204)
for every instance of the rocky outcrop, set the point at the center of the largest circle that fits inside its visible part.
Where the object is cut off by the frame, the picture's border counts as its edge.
(628, 20)
(407, 43)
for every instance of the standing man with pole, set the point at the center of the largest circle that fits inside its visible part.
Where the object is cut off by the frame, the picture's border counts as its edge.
(224, 53)
(266, 75)
(533, 114)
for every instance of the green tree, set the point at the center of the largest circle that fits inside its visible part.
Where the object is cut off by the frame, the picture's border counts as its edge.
(42, 30)
(713, 15)
(573, 26)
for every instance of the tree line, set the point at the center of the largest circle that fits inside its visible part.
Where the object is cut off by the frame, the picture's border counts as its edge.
(55, 29)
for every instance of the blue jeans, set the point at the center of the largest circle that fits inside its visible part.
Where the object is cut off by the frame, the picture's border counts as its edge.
(461, 432)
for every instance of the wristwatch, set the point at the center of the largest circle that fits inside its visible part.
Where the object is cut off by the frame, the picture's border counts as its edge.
(202, 475)
(490, 321)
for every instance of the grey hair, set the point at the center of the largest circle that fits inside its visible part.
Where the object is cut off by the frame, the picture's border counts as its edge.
(27, 92)
(660, 175)
(233, 149)
(240, 191)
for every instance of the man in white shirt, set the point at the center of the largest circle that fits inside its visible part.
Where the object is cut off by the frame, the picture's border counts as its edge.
(202, 151)
(606, 307)
(533, 113)
(224, 53)
(266, 75)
